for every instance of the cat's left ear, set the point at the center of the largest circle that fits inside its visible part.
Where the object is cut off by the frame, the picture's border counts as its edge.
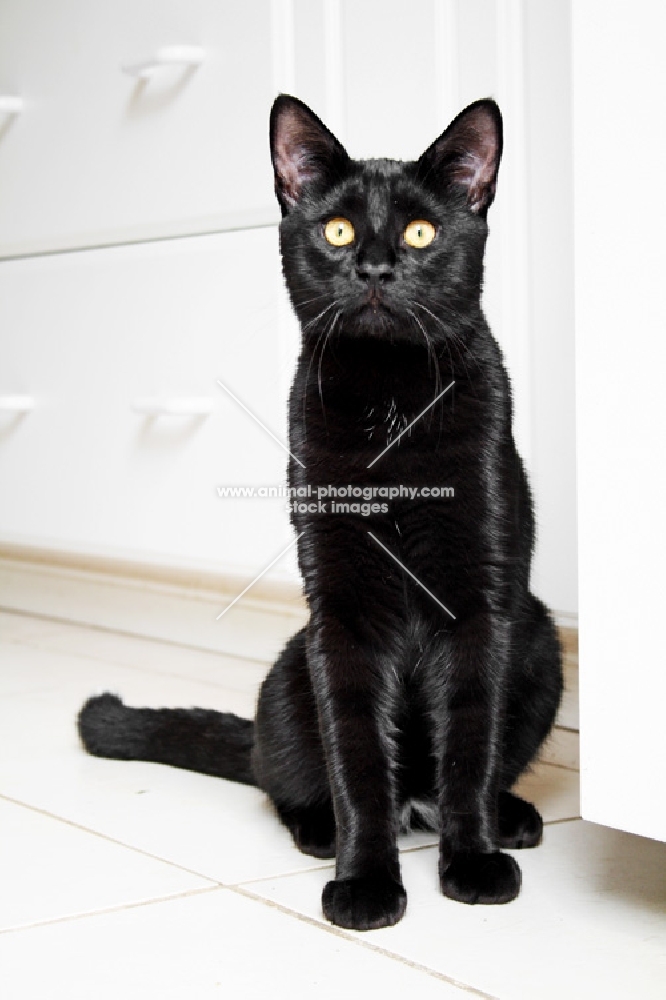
(303, 151)
(467, 155)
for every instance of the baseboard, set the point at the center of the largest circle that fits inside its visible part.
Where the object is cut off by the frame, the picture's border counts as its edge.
(170, 604)
(566, 619)
(282, 594)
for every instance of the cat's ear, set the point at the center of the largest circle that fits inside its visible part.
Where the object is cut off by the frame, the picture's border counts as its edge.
(303, 151)
(467, 155)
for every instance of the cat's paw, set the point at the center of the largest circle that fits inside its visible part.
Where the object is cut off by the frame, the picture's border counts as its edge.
(472, 877)
(364, 903)
(519, 823)
(313, 830)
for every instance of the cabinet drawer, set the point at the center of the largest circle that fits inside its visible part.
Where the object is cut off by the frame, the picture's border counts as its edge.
(98, 156)
(95, 337)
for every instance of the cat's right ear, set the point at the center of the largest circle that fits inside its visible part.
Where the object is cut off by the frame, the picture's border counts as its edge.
(303, 151)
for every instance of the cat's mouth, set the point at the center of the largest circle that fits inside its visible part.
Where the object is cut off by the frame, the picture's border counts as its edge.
(373, 318)
(373, 302)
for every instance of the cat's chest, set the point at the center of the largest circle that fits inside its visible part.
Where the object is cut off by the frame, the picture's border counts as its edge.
(414, 419)
(383, 421)
(365, 416)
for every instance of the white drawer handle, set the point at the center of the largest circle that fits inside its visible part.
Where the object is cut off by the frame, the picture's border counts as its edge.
(180, 406)
(10, 105)
(17, 404)
(170, 55)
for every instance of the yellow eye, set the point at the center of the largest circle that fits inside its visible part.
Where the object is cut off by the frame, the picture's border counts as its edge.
(339, 232)
(419, 234)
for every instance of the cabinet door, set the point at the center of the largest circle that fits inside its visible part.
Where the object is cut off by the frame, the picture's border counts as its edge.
(620, 220)
(102, 340)
(99, 156)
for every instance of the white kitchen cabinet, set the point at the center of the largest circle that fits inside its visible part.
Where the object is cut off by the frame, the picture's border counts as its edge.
(96, 335)
(99, 156)
(620, 219)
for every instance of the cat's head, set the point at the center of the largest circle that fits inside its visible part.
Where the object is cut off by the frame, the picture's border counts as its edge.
(384, 247)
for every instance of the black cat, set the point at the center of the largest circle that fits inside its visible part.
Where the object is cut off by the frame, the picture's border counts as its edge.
(428, 675)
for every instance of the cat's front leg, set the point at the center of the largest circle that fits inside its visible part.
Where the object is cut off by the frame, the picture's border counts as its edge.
(353, 700)
(471, 868)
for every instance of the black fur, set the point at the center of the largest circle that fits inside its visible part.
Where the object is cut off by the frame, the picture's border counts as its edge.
(196, 739)
(387, 704)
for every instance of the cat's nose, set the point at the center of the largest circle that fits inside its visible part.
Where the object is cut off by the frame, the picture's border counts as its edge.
(375, 273)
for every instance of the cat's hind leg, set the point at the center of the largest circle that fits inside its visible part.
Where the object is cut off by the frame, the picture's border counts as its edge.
(288, 757)
(535, 691)
(519, 822)
(312, 827)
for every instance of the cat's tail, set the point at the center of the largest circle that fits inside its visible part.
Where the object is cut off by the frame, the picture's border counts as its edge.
(196, 739)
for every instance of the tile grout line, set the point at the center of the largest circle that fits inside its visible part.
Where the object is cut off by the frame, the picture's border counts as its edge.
(71, 917)
(214, 883)
(426, 847)
(331, 864)
(239, 889)
(274, 878)
(108, 630)
(208, 878)
(43, 645)
(347, 936)
(147, 671)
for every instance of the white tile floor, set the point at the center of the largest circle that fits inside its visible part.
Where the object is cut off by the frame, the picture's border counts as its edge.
(134, 880)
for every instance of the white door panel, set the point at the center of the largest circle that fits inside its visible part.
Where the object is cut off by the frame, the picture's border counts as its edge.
(620, 218)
